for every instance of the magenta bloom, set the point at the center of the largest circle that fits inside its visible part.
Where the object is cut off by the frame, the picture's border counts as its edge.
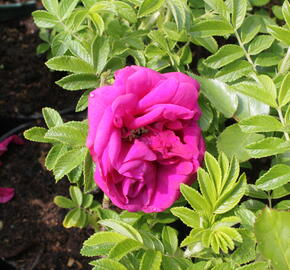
(6, 194)
(144, 137)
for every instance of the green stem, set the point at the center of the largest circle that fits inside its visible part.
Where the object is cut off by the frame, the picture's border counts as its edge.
(269, 199)
(106, 202)
(283, 123)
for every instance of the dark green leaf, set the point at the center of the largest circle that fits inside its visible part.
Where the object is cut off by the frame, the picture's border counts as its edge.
(78, 81)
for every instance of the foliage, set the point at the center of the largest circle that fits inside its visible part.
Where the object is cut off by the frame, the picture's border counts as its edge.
(242, 57)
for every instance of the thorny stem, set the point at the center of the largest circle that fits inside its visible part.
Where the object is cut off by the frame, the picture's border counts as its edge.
(283, 123)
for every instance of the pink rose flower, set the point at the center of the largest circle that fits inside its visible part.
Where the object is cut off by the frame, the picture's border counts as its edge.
(144, 137)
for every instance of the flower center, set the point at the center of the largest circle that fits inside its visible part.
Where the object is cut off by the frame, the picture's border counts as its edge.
(132, 134)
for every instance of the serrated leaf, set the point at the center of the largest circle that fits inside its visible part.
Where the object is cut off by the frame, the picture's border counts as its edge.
(122, 248)
(83, 101)
(169, 263)
(250, 28)
(54, 153)
(98, 22)
(282, 34)
(151, 260)
(122, 228)
(239, 12)
(247, 218)
(254, 266)
(283, 205)
(267, 147)
(69, 63)
(68, 161)
(267, 59)
(187, 216)
(36, 134)
(254, 192)
(259, 44)
(231, 198)
(88, 169)
(225, 55)
(64, 202)
(126, 11)
(107, 264)
(149, 6)
(60, 43)
(169, 239)
(260, 123)
(44, 19)
(51, 6)
(80, 51)
(210, 28)
(76, 195)
(100, 52)
(99, 250)
(232, 141)
(207, 187)
(284, 93)
(51, 117)
(150, 241)
(99, 238)
(276, 177)
(281, 191)
(219, 94)
(272, 231)
(78, 81)
(207, 42)
(66, 7)
(234, 71)
(286, 12)
(180, 12)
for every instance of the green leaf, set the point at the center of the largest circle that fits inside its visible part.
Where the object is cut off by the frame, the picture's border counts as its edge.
(68, 134)
(151, 260)
(260, 123)
(100, 52)
(75, 218)
(187, 216)
(169, 263)
(80, 51)
(272, 230)
(66, 7)
(283, 205)
(255, 266)
(259, 44)
(88, 169)
(107, 264)
(64, 202)
(239, 12)
(99, 250)
(36, 134)
(60, 43)
(51, 117)
(267, 59)
(284, 93)
(126, 11)
(232, 141)
(253, 205)
(43, 19)
(98, 22)
(286, 12)
(69, 63)
(99, 238)
(277, 11)
(214, 171)
(210, 28)
(76, 195)
(225, 55)
(234, 71)
(87, 200)
(180, 12)
(42, 48)
(219, 94)
(159, 38)
(231, 198)
(51, 6)
(151, 241)
(122, 248)
(282, 34)
(83, 101)
(122, 228)
(149, 6)
(194, 198)
(54, 153)
(207, 42)
(74, 175)
(207, 186)
(276, 177)
(68, 161)
(247, 218)
(169, 239)
(254, 192)
(267, 147)
(259, 3)
(250, 28)
(78, 81)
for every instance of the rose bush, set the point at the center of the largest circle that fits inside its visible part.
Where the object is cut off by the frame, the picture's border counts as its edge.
(144, 137)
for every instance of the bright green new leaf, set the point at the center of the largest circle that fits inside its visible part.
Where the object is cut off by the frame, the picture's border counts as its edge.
(210, 28)
(125, 11)
(181, 13)
(51, 6)
(277, 11)
(69, 63)
(272, 230)
(250, 28)
(88, 170)
(76, 195)
(98, 22)
(282, 34)
(43, 19)
(123, 247)
(232, 141)
(72, 218)
(107, 264)
(54, 153)
(207, 186)
(159, 38)
(214, 170)
(151, 260)
(51, 117)
(100, 52)
(66, 7)
(78, 81)
(247, 218)
(259, 44)
(99, 238)
(286, 12)
(187, 216)
(284, 93)
(276, 177)
(219, 94)
(149, 6)
(78, 49)
(225, 55)
(169, 239)
(239, 12)
(267, 59)
(99, 250)
(151, 241)
(60, 43)
(267, 147)
(64, 202)
(260, 123)
(68, 161)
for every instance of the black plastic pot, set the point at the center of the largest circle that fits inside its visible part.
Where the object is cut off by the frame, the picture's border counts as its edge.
(13, 11)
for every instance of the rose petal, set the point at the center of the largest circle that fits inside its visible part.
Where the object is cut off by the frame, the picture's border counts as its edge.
(6, 194)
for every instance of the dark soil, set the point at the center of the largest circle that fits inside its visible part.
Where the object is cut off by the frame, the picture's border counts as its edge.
(31, 231)
(13, 1)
